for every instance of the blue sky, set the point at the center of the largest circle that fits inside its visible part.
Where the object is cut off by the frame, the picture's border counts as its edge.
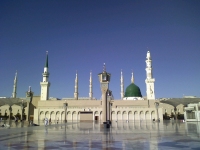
(82, 35)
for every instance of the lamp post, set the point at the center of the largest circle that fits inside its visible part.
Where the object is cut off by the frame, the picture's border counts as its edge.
(157, 105)
(175, 110)
(10, 110)
(65, 107)
(22, 108)
(29, 97)
(104, 79)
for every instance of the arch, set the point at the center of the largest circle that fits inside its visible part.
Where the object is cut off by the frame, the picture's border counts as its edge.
(119, 115)
(52, 115)
(124, 116)
(57, 116)
(101, 115)
(41, 116)
(74, 116)
(78, 116)
(63, 115)
(153, 115)
(136, 117)
(113, 116)
(147, 115)
(47, 114)
(130, 115)
(69, 116)
(96, 116)
(141, 115)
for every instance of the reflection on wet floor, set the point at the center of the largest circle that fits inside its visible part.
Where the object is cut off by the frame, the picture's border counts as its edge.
(89, 135)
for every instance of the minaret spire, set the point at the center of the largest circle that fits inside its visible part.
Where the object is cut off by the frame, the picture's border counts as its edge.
(149, 80)
(104, 67)
(90, 87)
(122, 85)
(14, 94)
(76, 87)
(46, 63)
(132, 78)
(45, 84)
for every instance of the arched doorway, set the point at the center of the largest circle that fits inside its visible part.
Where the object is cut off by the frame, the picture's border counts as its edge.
(113, 116)
(119, 115)
(141, 115)
(96, 116)
(62, 115)
(69, 116)
(124, 116)
(130, 116)
(57, 116)
(147, 116)
(52, 115)
(74, 116)
(136, 117)
(153, 115)
(42, 116)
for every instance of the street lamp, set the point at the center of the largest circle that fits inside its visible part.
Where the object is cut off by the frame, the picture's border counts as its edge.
(65, 107)
(22, 108)
(157, 105)
(175, 110)
(10, 110)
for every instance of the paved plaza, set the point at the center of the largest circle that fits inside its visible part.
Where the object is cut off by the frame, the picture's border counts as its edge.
(88, 135)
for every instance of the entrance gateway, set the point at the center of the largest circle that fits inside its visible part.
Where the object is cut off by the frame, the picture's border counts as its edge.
(86, 116)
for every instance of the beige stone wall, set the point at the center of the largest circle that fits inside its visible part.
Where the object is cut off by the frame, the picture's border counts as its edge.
(120, 110)
(15, 110)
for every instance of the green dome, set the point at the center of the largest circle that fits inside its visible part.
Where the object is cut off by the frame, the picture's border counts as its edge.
(133, 91)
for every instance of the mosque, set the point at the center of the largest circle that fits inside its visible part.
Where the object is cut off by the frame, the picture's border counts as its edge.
(132, 105)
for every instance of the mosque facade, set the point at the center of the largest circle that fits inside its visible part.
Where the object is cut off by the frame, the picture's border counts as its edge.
(132, 105)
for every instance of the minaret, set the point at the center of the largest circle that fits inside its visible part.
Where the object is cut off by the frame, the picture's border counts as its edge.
(149, 80)
(90, 87)
(14, 94)
(122, 85)
(132, 78)
(45, 84)
(76, 87)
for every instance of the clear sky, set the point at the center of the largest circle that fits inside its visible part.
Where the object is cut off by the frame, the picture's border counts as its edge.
(83, 34)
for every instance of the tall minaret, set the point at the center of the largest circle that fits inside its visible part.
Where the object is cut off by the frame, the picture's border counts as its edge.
(76, 87)
(14, 94)
(132, 78)
(45, 84)
(90, 87)
(122, 85)
(149, 80)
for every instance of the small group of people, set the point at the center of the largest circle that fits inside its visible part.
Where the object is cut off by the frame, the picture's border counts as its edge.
(46, 121)
(155, 119)
(16, 119)
(6, 125)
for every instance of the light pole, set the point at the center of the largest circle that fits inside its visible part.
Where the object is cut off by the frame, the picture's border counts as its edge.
(65, 107)
(157, 105)
(104, 79)
(175, 110)
(22, 108)
(29, 97)
(10, 110)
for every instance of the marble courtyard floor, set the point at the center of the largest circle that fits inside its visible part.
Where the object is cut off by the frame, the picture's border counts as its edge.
(88, 135)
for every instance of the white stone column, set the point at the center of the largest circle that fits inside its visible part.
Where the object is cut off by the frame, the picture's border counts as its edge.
(90, 87)
(122, 86)
(76, 87)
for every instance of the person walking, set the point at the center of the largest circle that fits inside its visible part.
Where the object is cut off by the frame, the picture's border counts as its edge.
(46, 121)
